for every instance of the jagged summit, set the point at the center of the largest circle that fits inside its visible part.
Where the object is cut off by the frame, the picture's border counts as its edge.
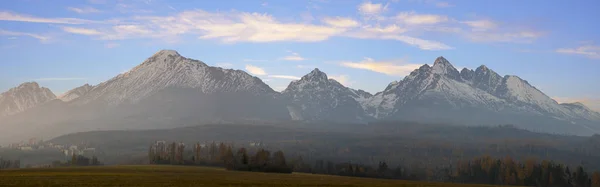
(320, 98)
(441, 60)
(483, 68)
(23, 97)
(315, 74)
(444, 67)
(166, 69)
(166, 52)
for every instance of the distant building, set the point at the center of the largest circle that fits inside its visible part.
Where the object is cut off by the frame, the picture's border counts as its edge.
(25, 148)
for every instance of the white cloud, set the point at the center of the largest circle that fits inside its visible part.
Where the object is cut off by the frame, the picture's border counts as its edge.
(413, 18)
(481, 25)
(393, 32)
(293, 57)
(97, 1)
(255, 70)
(590, 51)
(13, 33)
(343, 79)
(224, 65)
(421, 43)
(340, 22)
(7, 16)
(369, 8)
(84, 10)
(82, 31)
(486, 30)
(285, 77)
(393, 68)
(442, 4)
(512, 37)
(60, 79)
(111, 45)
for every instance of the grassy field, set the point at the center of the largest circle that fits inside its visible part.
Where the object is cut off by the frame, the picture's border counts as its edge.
(183, 176)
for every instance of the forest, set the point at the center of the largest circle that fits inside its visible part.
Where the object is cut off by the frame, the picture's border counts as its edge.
(480, 170)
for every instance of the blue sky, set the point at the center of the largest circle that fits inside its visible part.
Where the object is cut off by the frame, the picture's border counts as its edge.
(63, 44)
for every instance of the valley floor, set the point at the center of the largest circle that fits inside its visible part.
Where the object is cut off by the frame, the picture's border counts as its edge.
(152, 175)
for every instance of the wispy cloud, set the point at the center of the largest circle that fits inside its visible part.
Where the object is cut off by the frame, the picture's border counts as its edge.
(420, 19)
(111, 45)
(82, 31)
(285, 77)
(506, 37)
(60, 79)
(590, 51)
(255, 70)
(97, 1)
(486, 30)
(293, 57)
(8, 16)
(481, 25)
(393, 68)
(84, 10)
(340, 22)
(370, 9)
(13, 33)
(442, 4)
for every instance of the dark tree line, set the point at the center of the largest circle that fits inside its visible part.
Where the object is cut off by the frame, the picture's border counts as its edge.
(482, 170)
(507, 171)
(219, 154)
(9, 164)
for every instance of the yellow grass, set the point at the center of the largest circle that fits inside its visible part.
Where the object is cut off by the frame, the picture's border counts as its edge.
(152, 175)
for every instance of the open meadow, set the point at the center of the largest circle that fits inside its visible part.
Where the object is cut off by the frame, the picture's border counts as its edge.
(153, 175)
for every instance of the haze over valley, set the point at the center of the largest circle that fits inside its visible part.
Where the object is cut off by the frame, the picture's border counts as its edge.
(168, 90)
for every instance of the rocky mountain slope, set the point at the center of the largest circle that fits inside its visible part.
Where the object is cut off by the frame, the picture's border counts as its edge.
(321, 98)
(442, 94)
(75, 93)
(23, 97)
(168, 90)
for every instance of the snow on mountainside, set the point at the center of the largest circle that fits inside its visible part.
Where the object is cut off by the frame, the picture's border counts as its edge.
(23, 97)
(168, 69)
(321, 98)
(442, 88)
(578, 109)
(438, 83)
(75, 93)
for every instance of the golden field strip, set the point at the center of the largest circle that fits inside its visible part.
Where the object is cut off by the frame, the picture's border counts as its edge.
(153, 175)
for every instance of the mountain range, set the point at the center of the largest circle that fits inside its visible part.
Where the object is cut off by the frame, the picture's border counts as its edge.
(168, 90)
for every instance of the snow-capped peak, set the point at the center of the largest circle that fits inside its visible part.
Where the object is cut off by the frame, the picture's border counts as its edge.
(320, 98)
(443, 67)
(166, 52)
(167, 69)
(23, 97)
(315, 74)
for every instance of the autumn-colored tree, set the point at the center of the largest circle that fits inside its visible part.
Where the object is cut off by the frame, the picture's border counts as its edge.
(596, 179)
(197, 153)
(212, 152)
